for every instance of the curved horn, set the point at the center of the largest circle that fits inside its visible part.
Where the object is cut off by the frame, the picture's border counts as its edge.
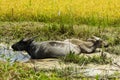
(29, 39)
(97, 38)
(34, 37)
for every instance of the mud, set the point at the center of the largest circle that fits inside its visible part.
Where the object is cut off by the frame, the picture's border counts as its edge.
(7, 54)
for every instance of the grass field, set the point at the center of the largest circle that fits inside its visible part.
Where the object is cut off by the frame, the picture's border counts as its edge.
(93, 12)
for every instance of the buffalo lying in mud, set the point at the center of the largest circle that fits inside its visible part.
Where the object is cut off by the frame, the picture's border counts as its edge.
(90, 45)
(46, 49)
(52, 49)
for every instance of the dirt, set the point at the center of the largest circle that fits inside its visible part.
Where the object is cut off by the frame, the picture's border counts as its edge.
(90, 70)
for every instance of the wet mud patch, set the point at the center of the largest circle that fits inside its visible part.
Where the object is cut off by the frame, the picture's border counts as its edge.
(7, 54)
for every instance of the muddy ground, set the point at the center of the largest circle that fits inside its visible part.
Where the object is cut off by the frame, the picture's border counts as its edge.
(89, 70)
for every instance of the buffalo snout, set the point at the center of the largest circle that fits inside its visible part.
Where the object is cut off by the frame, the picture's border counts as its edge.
(14, 47)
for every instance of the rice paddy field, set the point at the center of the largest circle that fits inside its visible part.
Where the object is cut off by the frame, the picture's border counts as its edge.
(93, 12)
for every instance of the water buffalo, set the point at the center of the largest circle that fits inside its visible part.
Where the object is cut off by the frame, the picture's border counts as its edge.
(46, 49)
(90, 45)
(50, 49)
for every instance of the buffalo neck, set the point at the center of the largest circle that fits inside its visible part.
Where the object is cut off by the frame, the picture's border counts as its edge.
(30, 49)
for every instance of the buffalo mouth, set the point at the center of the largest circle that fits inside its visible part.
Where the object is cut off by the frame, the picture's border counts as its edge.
(15, 48)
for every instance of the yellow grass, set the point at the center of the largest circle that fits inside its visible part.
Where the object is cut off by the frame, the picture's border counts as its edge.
(30, 9)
